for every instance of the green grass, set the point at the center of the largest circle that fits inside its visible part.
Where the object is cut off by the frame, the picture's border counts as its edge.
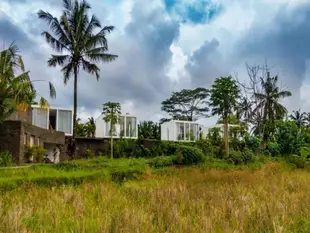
(212, 197)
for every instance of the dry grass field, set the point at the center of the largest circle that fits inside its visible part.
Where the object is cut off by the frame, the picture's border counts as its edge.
(269, 199)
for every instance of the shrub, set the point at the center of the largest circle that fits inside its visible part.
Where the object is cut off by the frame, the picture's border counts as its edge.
(305, 152)
(34, 153)
(238, 157)
(6, 159)
(162, 161)
(298, 161)
(88, 154)
(273, 149)
(190, 155)
(38, 153)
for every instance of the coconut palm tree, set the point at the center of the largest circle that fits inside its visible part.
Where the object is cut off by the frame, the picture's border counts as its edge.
(269, 105)
(298, 117)
(79, 47)
(17, 92)
(90, 127)
(307, 119)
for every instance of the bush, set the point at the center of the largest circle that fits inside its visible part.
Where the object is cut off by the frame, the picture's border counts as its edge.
(190, 155)
(238, 157)
(162, 161)
(34, 153)
(88, 154)
(273, 149)
(305, 152)
(298, 161)
(6, 159)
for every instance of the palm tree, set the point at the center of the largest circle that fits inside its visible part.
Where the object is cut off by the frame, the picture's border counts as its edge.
(78, 46)
(17, 92)
(307, 119)
(298, 117)
(111, 112)
(90, 127)
(268, 104)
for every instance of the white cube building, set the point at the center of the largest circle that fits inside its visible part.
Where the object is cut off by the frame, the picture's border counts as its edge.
(126, 127)
(59, 119)
(176, 130)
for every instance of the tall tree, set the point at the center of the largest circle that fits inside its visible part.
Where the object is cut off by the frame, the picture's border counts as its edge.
(224, 95)
(298, 117)
(148, 130)
(269, 105)
(111, 113)
(17, 92)
(188, 104)
(73, 36)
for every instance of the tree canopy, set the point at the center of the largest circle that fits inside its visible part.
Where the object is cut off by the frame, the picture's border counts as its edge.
(188, 104)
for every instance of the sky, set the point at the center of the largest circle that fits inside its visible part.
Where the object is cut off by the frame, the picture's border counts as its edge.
(167, 45)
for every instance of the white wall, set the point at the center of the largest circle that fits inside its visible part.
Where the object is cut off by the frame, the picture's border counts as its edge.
(100, 127)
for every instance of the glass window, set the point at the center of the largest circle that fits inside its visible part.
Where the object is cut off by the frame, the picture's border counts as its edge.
(31, 141)
(121, 121)
(65, 121)
(108, 130)
(131, 127)
(187, 131)
(180, 131)
(39, 117)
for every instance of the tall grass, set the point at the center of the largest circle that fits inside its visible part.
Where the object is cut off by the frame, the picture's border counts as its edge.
(268, 199)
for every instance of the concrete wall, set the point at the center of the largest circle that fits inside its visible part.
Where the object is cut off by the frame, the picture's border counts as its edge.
(15, 134)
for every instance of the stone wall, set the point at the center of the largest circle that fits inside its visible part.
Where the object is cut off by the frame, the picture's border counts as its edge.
(11, 139)
(15, 134)
(101, 145)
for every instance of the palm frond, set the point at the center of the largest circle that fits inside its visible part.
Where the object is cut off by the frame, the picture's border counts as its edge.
(57, 60)
(91, 68)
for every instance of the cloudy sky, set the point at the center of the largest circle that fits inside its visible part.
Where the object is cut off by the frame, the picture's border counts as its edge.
(167, 45)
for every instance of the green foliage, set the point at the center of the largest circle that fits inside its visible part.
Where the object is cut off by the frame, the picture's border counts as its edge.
(305, 152)
(289, 136)
(298, 161)
(79, 40)
(253, 143)
(238, 157)
(224, 95)
(148, 130)
(187, 104)
(88, 154)
(35, 152)
(190, 155)
(269, 104)
(17, 90)
(273, 149)
(6, 159)
(162, 161)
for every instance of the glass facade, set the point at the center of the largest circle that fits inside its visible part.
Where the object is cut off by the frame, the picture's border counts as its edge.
(65, 121)
(187, 131)
(40, 117)
(131, 130)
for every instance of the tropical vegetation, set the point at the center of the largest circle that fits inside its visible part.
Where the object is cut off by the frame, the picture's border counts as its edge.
(79, 40)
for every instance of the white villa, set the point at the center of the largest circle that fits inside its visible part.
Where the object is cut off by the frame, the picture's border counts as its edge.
(59, 119)
(126, 127)
(176, 130)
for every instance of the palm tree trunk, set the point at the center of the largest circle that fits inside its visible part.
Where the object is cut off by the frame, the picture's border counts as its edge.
(111, 140)
(226, 137)
(75, 101)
